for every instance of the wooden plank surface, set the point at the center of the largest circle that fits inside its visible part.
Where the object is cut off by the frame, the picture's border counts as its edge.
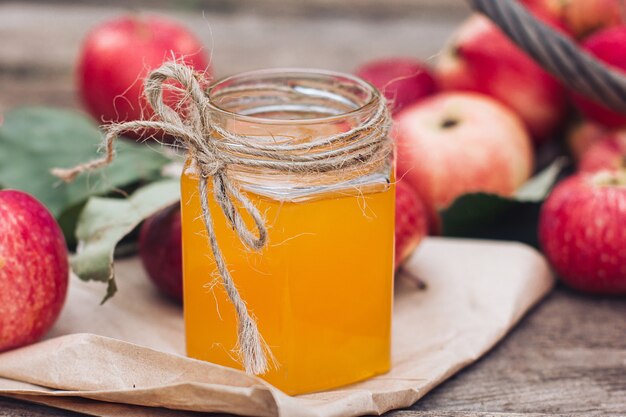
(37, 52)
(568, 357)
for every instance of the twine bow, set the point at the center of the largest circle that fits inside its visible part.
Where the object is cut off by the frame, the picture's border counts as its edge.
(366, 144)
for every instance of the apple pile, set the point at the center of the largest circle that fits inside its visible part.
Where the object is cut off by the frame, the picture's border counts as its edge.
(490, 113)
(473, 121)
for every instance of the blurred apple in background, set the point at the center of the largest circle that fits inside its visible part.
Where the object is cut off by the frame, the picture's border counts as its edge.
(160, 248)
(402, 81)
(577, 18)
(118, 54)
(456, 143)
(582, 136)
(34, 269)
(609, 46)
(482, 59)
(608, 153)
(584, 17)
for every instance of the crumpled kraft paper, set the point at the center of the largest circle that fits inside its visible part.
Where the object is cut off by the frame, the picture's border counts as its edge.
(131, 350)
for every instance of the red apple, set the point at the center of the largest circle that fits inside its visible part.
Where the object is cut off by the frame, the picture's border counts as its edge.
(482, 59)
(160, 249)
(457, 143)
(608, 153)
(118, 54)
(403, 81)
(411, 222)
(581, 230)
(34, 269)
(582, 136)
(609, 46)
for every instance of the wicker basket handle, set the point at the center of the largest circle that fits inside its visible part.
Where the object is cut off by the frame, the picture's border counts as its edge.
(556, 53)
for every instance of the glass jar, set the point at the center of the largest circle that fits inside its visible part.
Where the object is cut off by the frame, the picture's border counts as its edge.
(321, 288)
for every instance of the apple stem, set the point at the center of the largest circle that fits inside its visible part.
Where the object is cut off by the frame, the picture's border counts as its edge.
(449, 123)
(610, 178)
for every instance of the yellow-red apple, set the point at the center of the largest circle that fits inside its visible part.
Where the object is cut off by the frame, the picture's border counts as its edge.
(456, 143)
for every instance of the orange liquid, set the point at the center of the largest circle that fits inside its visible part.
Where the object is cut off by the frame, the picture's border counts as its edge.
(321, 290)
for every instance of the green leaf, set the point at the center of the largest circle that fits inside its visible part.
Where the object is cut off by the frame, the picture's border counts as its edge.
(68, 221)
(105, 221)
(489, 216)
(36, 139)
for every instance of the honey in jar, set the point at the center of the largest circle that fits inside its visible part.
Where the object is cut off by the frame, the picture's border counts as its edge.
(321, 288)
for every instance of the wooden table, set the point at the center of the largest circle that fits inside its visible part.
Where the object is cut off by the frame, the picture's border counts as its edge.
(567, 357)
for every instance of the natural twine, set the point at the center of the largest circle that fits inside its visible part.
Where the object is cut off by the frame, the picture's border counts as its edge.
(365, 145)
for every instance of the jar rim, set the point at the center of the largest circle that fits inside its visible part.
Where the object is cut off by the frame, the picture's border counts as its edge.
(372, 100)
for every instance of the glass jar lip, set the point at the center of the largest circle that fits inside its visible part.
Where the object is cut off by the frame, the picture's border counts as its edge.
(374, 97)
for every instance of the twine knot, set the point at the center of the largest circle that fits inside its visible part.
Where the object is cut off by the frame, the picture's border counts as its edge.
(365, 145)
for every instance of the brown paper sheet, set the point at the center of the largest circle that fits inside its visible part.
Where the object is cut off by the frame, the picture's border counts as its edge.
(131, 350)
